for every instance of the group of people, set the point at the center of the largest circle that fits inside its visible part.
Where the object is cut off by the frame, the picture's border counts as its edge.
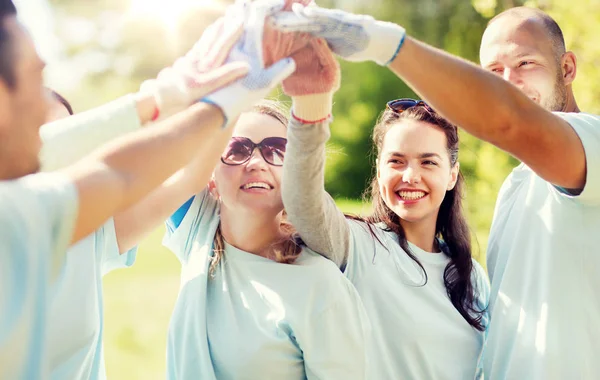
(276, 281)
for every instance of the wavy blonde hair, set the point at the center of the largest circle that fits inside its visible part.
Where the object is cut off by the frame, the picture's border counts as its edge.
(287, 249)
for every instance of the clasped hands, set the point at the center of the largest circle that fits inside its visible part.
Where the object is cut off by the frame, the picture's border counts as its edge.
(258, 44)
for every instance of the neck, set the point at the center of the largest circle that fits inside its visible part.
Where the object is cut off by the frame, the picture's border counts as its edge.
(251, 231)
(421, 233)
(571, 104)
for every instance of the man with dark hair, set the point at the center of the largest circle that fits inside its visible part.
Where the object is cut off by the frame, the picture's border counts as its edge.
(41, 214)
(7, 8)
(543, 258)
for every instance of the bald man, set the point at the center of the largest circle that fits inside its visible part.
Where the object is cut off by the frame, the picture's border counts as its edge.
(542, 257)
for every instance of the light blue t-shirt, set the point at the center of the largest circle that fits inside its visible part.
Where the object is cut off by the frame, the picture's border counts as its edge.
(544, 265)
(76, 314)
(37, 217)
(256, 318)
(417, 331)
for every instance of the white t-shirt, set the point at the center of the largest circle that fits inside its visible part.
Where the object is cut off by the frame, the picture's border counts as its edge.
(76, 314)
(76, 318)
(417, 331)
(69, 139)
(259, 319)
(37, 217)
(544, 265)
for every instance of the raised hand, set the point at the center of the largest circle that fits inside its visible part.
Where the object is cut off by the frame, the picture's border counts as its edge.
(312, 85)
(201, 71)
(353, 37)
(278, 44)
(245, 92)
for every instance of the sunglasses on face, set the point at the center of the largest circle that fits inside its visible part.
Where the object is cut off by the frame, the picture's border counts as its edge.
(401, 105)
(240, 149)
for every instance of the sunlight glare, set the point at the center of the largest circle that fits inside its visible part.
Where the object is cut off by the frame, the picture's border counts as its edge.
(168, 12)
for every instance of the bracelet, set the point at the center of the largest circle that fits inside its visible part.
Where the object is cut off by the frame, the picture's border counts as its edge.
(311, 122)
(156, 114)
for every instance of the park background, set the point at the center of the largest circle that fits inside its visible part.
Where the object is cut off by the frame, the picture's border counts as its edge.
(98, 50)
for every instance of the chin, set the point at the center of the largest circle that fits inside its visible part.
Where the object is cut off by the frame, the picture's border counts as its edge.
(262, 207)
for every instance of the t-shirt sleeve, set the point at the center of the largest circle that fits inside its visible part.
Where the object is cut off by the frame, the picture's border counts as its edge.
(197, 217)
(335, 341)
(111, 258)
(37, 215)
(69, 139)
(587, 128)
(482, 283)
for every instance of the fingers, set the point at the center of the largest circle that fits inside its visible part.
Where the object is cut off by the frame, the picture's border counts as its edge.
(280, 70)
(221, 51)
(221, 76)
(293, 22)
(267, 8)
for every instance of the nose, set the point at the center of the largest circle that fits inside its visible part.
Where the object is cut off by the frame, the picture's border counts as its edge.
(512, 76)
(256, 161)
(411, 175)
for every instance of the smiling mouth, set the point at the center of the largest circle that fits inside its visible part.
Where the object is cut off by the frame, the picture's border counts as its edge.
(411, 195)
(256, 185)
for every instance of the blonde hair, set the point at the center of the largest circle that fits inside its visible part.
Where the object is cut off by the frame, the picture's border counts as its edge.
(287, 249)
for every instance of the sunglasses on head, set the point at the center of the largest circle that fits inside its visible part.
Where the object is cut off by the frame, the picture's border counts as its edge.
(240, 149)
(401, 105)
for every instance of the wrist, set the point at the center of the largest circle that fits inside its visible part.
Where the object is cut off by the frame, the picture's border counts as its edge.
(146, 107)
(386, 40)
(314, 108)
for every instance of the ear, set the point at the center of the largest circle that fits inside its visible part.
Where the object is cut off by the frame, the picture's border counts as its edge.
(212, 187)
(377, 166)
(5, 106)
(453, 176)
(568, 65)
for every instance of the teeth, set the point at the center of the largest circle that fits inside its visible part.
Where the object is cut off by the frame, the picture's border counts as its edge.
(411, 195)
(260, 185)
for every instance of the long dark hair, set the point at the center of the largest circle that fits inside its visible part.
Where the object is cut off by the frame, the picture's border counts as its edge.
(451, 228)
(61, 99)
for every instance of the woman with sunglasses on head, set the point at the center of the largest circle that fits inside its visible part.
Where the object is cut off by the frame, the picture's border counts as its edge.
(254, 302)
(410, 261)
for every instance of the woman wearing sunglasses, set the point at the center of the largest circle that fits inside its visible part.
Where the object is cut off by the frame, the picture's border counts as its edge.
(410, 261)
(254, 303)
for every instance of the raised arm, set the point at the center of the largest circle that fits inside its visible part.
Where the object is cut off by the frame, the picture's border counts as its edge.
(115, 178)
(494, 110)
(67, 140)
(133, 224)
(310, 209)
(478, 101)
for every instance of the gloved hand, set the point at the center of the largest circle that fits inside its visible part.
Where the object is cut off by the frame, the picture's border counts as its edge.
(353, 37)
(200, 71)
(244, 93)
(278, 44)
(312, 86)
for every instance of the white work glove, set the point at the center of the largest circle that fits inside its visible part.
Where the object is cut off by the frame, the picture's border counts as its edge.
(353, 37)
(244, 93)
(201, 71)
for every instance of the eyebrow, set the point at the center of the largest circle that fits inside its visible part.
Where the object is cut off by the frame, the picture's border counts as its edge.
(421, 155)
(518, 56)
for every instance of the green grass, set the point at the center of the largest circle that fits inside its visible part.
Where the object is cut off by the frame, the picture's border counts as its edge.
(138, 305)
